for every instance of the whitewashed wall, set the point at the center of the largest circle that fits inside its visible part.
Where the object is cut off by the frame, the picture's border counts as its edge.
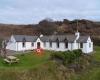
(41, 44)
(54, 46)
(11, 45)
(18, 46)
(72, 46)
(28, 46)
(86, 48)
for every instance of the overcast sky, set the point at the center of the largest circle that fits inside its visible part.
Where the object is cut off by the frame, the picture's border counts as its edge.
(32, 11)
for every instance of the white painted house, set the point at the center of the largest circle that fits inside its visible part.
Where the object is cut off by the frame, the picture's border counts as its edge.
(53, 42)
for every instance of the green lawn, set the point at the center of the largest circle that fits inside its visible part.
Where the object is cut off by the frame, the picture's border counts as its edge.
(33, 67)
(97, 53)
(27, 60)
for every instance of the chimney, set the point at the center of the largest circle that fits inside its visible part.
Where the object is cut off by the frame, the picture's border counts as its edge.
(77, 34)
(41, 35)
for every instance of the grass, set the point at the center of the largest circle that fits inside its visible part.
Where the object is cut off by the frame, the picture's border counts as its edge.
(33, 67)
(93, 71)
(28, 60)
(97, 53)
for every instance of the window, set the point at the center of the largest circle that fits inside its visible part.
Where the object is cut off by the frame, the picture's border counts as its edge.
(89, 45)
(23, 44)
(24, 41)
(32, 44)
(50, 44)
(66, 43)
(81, 45)
(57, 43)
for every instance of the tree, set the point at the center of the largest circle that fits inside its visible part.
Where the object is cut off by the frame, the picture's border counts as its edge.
(4, 44)
(47, 27)
(65, 21)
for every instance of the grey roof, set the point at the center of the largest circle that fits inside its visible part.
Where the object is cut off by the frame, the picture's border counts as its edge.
(44, 38)
(61, 38)
(19, 38)
(53, 38)
(83, 39)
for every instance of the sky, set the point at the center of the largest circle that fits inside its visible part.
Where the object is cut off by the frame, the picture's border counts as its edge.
(33, 11)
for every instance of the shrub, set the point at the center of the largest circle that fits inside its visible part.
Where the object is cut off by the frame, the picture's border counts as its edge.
(58, 55)
(67, 56)
(77, 53)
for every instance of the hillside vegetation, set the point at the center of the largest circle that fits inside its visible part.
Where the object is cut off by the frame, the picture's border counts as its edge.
(48, 27)
(50, 67)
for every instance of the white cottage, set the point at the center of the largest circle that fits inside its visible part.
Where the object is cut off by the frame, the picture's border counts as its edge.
(52, 42)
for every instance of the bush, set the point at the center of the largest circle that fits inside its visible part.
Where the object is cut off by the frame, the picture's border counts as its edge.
(67, 56)
(77, 53)
(58, 55)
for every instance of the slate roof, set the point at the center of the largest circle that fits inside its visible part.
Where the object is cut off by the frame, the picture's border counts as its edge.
(53, 38)
(19, 38)
(82, 39)
(61, 38)
(44, 38)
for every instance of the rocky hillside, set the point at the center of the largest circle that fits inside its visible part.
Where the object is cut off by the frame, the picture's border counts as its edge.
(8, 29)
(48, 27)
